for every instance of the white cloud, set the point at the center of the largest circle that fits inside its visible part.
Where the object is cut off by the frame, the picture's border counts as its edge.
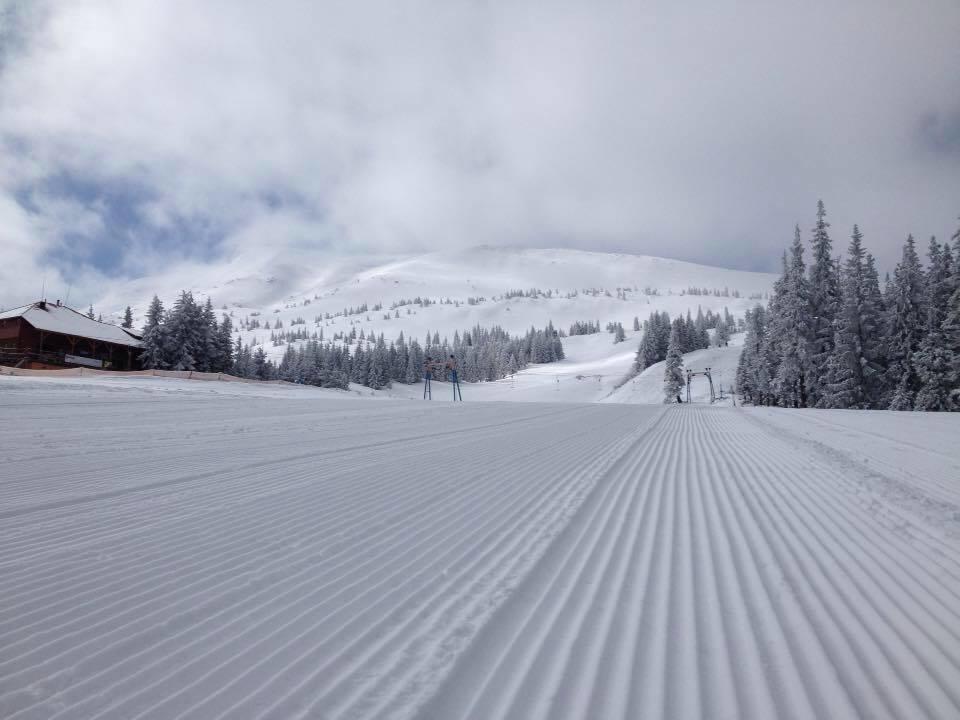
(695, 130)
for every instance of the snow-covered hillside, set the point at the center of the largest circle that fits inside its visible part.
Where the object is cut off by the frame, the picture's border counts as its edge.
(180, 549)
(491, 272)
(331, 284)
(468, 288)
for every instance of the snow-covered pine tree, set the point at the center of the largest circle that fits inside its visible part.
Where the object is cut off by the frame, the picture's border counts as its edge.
(261, 368)
(360, 370)
(753, 375)
(400, 360)
(209, 348)
(688, 334)
(288, 365)
(225, 345)
(646, 350)
(91, 314)
(721, 338)
(310, 360)
(854, 370)
(414, 363)
(824, 300)
(154, 353)
(636, 323)
(673, 369)
(951, 334)
(700, 326)
(378, 376)
(876, 381)
(789, 331)
(951, 325)
(127, 318)
(619, 335)
(906, 318)
(184, 333)
(935, 359)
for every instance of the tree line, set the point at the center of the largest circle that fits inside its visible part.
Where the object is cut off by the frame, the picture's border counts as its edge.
(691, 334)
(186, 337)
(481, 354)
(829, 336)
(189, 337)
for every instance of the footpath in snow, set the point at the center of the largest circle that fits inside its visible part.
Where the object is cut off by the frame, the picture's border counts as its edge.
(178, 555)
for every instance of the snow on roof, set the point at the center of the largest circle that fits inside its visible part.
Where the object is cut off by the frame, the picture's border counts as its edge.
(49, 317)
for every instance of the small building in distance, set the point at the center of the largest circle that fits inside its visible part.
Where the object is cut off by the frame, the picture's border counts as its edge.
(45, 335)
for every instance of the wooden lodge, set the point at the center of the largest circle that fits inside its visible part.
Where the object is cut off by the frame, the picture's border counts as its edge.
(45, 335)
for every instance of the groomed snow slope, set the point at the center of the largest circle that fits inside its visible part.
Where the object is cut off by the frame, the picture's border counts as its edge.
(200, 556)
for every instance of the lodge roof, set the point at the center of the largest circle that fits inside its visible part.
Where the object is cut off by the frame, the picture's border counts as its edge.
(50, 317)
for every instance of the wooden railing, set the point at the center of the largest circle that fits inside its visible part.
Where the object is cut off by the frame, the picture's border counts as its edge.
(19, 358)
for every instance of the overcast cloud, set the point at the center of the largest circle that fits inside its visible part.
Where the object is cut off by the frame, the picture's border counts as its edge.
(136, 135)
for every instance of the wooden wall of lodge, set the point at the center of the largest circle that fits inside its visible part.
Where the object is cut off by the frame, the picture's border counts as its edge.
(29, 339)
(10, 332)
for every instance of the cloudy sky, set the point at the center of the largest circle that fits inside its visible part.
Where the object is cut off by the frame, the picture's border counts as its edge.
(139, 136)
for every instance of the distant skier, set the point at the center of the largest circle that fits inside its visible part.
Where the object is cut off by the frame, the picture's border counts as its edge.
(427, 376)
(452, 369)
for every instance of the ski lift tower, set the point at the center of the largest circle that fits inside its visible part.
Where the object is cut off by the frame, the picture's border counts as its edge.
(692, 374)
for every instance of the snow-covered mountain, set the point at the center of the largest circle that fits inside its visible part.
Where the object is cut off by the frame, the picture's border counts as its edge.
(581, 286)
(463, 288)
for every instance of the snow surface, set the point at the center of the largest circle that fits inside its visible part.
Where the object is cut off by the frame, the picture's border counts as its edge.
(178, 549)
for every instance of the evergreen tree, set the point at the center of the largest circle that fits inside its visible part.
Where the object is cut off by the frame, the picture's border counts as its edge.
(653, 344)
(721, 337)
(261, 368)
(905, 326)
(646, 351)
(951, 326)
(854, 371)
(673, 369)
(91, 314)
(824, 300)
(951, 334)
(287, 369)
(209, 348)
(154, 353)
(415, 360)
(127, 319)
(619, 335)
(224, 345)
(790, 331)
(186, 341)
(753, 374)
(700, 328)
(935, 359)
(378, 376)
(688, 334)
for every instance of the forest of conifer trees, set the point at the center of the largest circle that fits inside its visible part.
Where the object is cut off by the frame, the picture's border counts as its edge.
(188, 337)
(830, 337)
(691, 334)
